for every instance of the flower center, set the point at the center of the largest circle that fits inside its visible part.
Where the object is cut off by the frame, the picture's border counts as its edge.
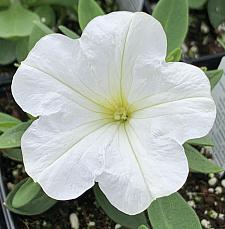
(121, 114)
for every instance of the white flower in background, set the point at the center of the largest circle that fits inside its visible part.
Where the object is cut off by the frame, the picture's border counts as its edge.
(112, 111)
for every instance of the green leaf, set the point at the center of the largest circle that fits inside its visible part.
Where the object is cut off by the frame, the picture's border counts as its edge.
(14, 154)
(22, 48)
(8, 51)
(46, 14)
(11, 137)
(67, 3)
(198, 163)
(204, 141)
(174, 56)
(7, 121)
(68, 32)
(16, 21)
(216, 12)
(27, 198)
(26, 193)
(196, 4)
(39, 30)
(173, 16)
(4, 3)
(125, 220)
(214, 76)
(87, 10)
(172, 212)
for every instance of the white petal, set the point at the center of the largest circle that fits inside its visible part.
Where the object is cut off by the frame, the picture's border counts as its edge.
(114, 42)
(140, 168)
(53, 74)
(64, 158)
(93, 70)
(176, 101)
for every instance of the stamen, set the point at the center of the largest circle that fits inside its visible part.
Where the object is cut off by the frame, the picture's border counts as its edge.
(121, 114)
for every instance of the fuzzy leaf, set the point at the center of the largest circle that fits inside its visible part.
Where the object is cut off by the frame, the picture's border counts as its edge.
(216, 12)
(27, 198)
(214, 76)
(174, 56)
(172, 212)
(196, 4)
(68, 32)
(87, 10)
(7, 121)
(46, 14)
(16, 21)
(22, 48)
(14, 154)
(173, 16)
(204, 141)
(198, 163)
(7, 53)
(11, 138)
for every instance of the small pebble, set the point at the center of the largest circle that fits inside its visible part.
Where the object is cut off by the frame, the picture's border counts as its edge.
(216, 203)
(15, 173)
(118, 226)
(223, 183)
(205, 223)
(10, 186)
(91, 224)
(222, 199)
(206, 212)
(221, 216)
(23, 170)
(191, 195)
(204, 28)
(211, 175)
(211, 190)
(198, 199)
(212, 181)
(218, 190)
(203, 149)
(19, 166)
(74, 221)
(184, 48)
(192, 203)
(193, 51)
(213, 214)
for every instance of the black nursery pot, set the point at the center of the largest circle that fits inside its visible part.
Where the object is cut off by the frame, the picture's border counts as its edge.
(6, 218)
(210, 61)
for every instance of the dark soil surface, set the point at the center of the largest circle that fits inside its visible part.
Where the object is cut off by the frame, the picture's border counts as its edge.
(201, 39)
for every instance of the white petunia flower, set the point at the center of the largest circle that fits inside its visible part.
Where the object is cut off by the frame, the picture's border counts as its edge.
(112, 111)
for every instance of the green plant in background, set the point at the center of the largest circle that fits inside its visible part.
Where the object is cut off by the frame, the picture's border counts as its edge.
(216, 13)
(215, 8)
(167, 212)
(24, 22)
